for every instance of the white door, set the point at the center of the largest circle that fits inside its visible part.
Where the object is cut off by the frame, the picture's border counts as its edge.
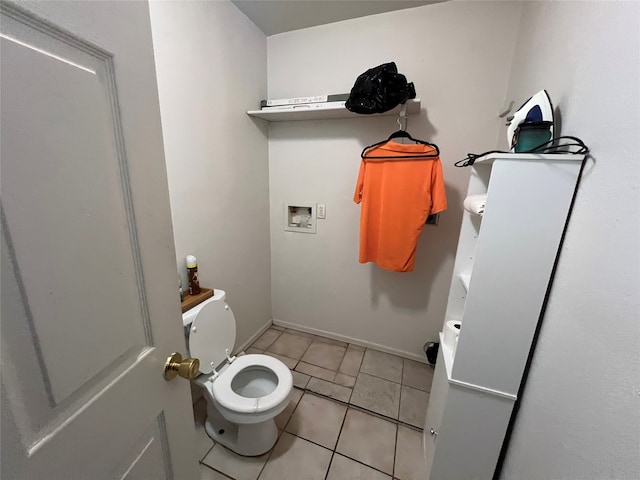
(90, 307)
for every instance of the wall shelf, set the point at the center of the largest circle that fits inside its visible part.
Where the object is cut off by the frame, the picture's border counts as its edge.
(555, 157)
(333, 111)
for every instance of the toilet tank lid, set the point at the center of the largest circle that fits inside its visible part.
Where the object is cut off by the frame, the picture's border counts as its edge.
(189, 315)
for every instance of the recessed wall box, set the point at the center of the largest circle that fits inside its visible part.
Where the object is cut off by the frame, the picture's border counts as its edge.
(300, 217)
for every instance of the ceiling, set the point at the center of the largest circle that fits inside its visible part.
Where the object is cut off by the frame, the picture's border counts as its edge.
(277, 16)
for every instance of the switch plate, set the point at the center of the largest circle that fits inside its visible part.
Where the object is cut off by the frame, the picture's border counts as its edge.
(320, 210)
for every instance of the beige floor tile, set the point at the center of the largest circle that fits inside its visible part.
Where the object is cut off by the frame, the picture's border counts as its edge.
(331, 341)
(266, 339)
(289, 362)
(324, 355)
(369, 440)
(207, 474)
(343, 468)
(203, 442)
(417, 375)
(413, 406)
(298, 332)
(376, 394)
(383, 365)
(345, 380)
(351, 362)
(300, 380)
(315, 371)
(318, 420)
(330, 389)
(294, 458)
(253, 350)
(234, 465)
(410, 464)
(292, 346)
(277, 327)
(356, 347)
(283, 417)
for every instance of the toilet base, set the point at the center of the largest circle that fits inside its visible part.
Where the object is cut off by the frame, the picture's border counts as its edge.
(249, 440)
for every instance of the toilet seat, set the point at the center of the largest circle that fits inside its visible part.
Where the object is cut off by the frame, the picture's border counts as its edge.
(227, 398)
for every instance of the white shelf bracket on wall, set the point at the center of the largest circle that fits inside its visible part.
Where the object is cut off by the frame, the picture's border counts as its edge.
(402, 117)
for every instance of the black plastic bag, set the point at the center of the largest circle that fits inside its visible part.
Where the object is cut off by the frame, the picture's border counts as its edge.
(379, 89)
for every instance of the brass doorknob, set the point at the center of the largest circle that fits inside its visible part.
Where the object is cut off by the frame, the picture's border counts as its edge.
(188, 368)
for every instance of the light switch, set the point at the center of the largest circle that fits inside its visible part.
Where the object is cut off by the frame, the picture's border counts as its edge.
(320, 210)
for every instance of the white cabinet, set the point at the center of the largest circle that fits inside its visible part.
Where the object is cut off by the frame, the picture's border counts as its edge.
(502, 273)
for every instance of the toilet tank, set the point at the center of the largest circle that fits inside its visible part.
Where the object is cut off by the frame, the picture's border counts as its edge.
(189, 315)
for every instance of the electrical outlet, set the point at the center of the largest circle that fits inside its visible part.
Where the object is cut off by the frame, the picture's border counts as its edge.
(320, 211)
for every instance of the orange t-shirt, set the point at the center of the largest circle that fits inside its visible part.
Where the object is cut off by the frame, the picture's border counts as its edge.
(397, 196)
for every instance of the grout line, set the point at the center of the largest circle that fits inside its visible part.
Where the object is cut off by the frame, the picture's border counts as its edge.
(382, 378)
(362, 463)
(208, 451)
(333, 454)
(341, 359)
(366, 410)
(275, 340)
(284, 428)
(305, 350)
(217, 471)
(280, 436)
(334, 451)
(270, 453)
(395, 446)
(400, 396)
(310, 441)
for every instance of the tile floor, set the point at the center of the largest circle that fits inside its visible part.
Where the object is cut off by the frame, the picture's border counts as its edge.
(356, 413)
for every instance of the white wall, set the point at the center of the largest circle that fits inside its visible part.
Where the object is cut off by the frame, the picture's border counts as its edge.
(580, 414)
(458, 54)
(211, 64)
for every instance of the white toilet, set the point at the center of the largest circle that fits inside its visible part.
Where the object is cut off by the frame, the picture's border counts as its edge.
(243, 394)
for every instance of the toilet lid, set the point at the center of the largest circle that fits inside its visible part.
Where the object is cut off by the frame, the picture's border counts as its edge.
(212, 332)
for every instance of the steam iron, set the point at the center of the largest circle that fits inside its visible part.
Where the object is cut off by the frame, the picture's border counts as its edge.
(536, 110)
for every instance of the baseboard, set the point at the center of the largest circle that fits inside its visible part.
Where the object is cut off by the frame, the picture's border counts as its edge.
(253, 338)
(344, 338)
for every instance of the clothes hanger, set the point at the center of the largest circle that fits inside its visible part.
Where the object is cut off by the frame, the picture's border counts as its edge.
(402, 133)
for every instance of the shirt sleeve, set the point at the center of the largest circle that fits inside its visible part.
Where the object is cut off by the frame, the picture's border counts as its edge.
(357, 196)
(438, 194)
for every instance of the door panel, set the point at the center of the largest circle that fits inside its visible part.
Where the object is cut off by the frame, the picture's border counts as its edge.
(147, 458)
(89, 303)
(72, 213)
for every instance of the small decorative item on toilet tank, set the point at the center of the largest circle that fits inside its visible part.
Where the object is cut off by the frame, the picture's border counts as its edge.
(192, 273)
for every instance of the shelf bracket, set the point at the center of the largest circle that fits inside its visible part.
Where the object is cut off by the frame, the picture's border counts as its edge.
(402, 116)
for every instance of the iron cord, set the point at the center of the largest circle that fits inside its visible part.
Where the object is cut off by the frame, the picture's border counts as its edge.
(574, 146)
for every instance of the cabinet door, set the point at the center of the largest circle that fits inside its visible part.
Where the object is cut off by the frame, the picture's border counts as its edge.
(435, 411)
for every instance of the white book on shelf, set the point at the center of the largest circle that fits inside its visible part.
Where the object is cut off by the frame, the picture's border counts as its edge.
(302, 100)
(305, 106)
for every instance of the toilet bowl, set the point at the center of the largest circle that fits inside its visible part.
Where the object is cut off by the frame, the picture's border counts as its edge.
(244, 393)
